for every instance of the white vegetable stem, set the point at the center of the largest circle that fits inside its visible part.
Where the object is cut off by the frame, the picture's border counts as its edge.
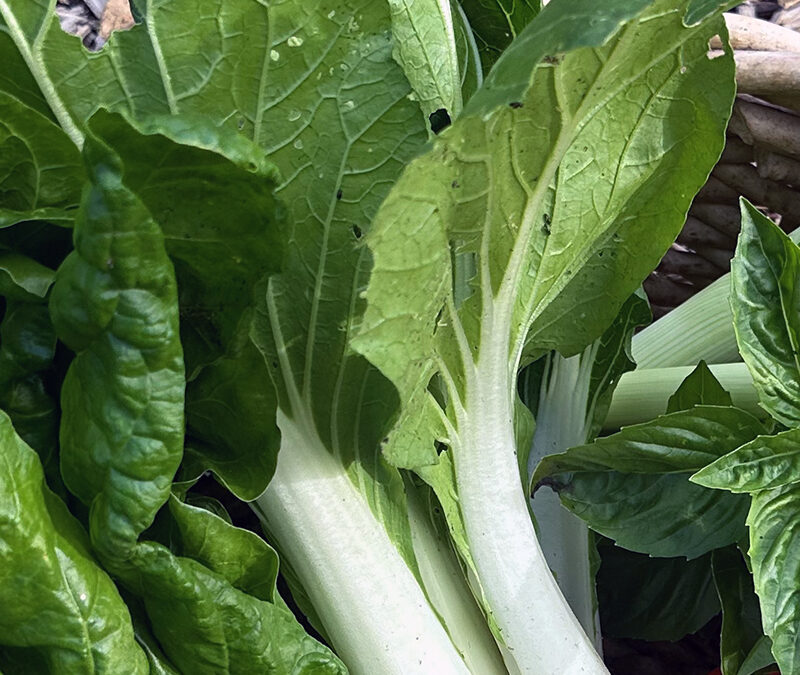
(541, 632)
(370, 603)
(563, 420)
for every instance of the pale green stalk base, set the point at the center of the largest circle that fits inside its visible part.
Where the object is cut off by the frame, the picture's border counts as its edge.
(541, 632)
(561, 423)
(642, 394)
(701, 328)
(370, 603)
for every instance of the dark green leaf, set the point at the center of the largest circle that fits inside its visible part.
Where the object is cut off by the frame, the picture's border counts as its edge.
(115, 304)
(741, 616)
(699, 388)
(765, 299)
(208, 627)
(764, 463)
(496, 23)
(56, 601)
(774, 522)
(40, 169)
(633, 486)
(22, 278)
(240, 556)
(653, 598)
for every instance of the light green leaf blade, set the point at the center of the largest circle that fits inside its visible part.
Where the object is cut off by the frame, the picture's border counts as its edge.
(653, 598)
(496, 23)
(760, 657)
(765, 298)
(633, 486)
(765, 463)
(424, 33)
(115, 304)
(41, 175)
(56, 600)
(741, 617)
(699, 388)
(773, 521)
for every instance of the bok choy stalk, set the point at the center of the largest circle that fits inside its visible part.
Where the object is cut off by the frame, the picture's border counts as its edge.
(552, 187)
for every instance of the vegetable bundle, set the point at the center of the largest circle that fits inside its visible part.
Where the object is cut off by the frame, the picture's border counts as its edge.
(367, 263)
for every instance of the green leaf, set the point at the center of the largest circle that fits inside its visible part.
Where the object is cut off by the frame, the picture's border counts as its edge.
(424, 33)
(496, 23)
(741, 617)
(40, 169)
(633, 486)
(240, 556)
(653, 598)
(760, 657)
(699, 388)
(765, 463)
(765, 299)
(207, 626)
(57, 602)
(115, 304)
(774, 522)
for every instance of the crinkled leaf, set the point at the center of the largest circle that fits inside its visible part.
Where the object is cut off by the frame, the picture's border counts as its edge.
(207, 626)
(774, 522)
(764, 463)
(41, 175)
(633, 486)
(496, 23)
(653, 598)
(765, 299)
(699, 388)
(115, 304)
(56, 600)
(240, 556)
(741, 617)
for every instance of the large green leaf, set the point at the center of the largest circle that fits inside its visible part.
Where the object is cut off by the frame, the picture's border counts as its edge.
(764, 463)
(741, 617)
(653, 598)
(115, 304)
(40, 168)
(774, 522)
(57, 602)
(633, 486)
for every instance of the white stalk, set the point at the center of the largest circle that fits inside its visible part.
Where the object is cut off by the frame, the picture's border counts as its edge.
(538, 628)
(370, 603)
(563, 420)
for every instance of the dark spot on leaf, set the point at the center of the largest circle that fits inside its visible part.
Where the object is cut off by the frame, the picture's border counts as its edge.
(546, 223)
(455, 184)
(274, 364)
(338, 194)
(439, 119)
(555, 60)
(515, 104)
(240, 123)
(357, 231)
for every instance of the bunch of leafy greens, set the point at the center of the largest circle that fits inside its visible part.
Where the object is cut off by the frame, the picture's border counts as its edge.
(231, 243)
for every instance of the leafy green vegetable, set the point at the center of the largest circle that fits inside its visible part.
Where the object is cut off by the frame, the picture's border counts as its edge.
(700, 387)
(496, 23)
(57, 602)
(773, 520)
(540, 192)
(765, 299)
(115, 304)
